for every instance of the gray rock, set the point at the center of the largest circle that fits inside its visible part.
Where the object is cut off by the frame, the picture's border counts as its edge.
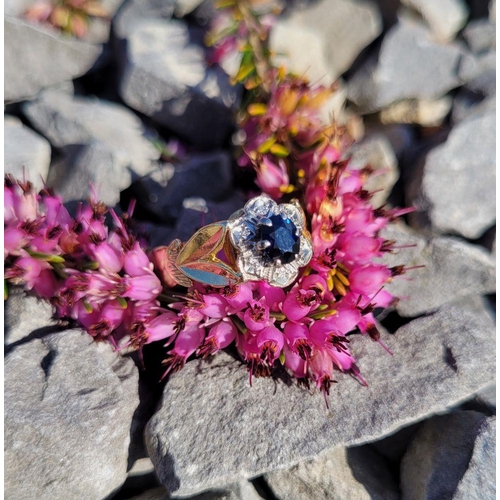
(410, 65)
(313, 42)
(37, 57)
(102, 142)
(466, 104)
(484, 78)
(453, 269)
(197, 212)
(203, 175)
(184, 7)
(488, 396)
(480, 36)
(297, 426)
(393, 447)
(478, 483)
(438, 456)
(174, 86)
(26, 153)
(25, 314)
(456, 193)
(136, 12)
(68, 409)
(444, 17)
(376, 151)
(83, 166)
(356, 473)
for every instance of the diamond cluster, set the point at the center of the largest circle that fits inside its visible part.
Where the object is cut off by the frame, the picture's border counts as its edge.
(270, 240)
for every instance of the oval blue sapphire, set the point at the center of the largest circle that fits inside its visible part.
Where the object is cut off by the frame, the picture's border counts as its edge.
(277, 239)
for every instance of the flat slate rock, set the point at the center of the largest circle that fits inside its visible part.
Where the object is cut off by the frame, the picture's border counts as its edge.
(68, 409)
(438, 361)
(456, 191)
(102, 142)
(37, 57)
(479, 481)
(26, 154)
(453, 269)
(439, 456)
(174, 87)
(444, 17)
(25, 315)
(410, 65)
(323, 46)
(204, 175)
(358, 473)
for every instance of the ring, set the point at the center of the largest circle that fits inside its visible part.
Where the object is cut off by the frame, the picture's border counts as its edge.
(263, 241)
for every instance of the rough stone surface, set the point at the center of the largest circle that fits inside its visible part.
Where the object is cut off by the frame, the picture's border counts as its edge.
(438, 456)
(196, 212)
(102, 142)
(322, 45)
(24, 315)
(468, 103)
(68, 409)
(203, 175)
(479, 482)
(410, 65)
(453, 269)
(38, 57)
(488, 396)
(135, 12)
(480, 36)
(444, 17)
(25, 153)
(457, 191)
(356, 473)
(297, 425)
(174, 87)
(376, 151)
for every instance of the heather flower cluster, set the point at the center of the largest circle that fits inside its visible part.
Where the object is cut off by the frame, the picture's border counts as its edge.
(68, 16)
(98, 277)
(104, 279)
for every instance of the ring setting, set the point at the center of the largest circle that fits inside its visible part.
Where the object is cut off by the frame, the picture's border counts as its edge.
(262, 241)
(271, 241)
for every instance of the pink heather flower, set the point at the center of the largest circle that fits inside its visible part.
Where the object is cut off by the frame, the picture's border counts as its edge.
(297, 339)
(256, 317)
(214, 306)
(147, 330)
(367, 280)
(26, 271)
(270, 340)
(298, 303)
(219, 336)
(137, 262)
(46, 286)
(272, 178)
(237, 297)
(186, 343)
(274, 296)
(14, 239)
(101, 322)
(110, 259)
(295, 363)
(145, 287)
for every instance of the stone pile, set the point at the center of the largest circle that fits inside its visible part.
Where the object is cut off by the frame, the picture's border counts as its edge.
(84, 423)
